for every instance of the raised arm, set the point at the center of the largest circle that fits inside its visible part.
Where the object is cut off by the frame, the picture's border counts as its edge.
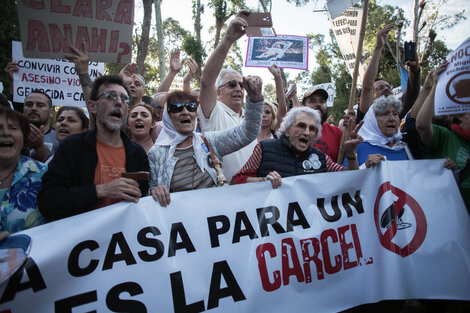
(192, 65)
(11, 68)
(81, 59)
(232, 139)
(424, 119)
(367, 94)
(412, 87)
(281, 99)
(422, 96)
(235, 30)
(293, 96)
(175, 66)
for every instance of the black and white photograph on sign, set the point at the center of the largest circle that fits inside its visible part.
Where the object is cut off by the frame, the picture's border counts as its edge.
(284, 51)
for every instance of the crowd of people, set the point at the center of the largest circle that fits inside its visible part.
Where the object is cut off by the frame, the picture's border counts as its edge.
(133, 145)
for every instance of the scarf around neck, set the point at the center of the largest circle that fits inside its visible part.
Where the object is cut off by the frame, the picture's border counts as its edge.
(169, 136)
(371, 133)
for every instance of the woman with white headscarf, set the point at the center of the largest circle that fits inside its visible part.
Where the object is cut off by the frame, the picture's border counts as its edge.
(381, 133)
(183, 159)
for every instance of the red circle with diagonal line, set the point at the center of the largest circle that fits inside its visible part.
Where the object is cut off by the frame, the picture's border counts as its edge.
(387, 237)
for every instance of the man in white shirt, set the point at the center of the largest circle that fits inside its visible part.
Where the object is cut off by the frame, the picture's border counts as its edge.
(222, 95)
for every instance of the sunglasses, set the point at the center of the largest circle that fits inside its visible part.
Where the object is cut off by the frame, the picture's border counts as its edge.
(112, 95)
(178, 107)
(232, 84)
(382, 87)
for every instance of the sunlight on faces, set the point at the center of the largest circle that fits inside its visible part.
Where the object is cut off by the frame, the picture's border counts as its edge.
(317, 102)
(232, 97)
(389, 121)
(111, 114)
(382, 88)
(140, 121)
(136, 88)
(184, 121)
(36, 109)
(302, 132)
(267, 116)
(68, 123)
(11, 139)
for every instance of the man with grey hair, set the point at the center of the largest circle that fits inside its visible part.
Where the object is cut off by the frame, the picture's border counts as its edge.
(222, 95)
(293, 154)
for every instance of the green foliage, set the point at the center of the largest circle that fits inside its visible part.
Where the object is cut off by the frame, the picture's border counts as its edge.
(9, 31)
(194, 49)
(269, 93)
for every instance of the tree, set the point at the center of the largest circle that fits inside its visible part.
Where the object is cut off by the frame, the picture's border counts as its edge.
(161, 51)
(144, 38)
(9, 31)
(223, 10)
(194, 48)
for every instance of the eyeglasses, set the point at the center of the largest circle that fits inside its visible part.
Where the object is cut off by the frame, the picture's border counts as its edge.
(232, 84)
(112, 95)
(382, 87)
(178, 107)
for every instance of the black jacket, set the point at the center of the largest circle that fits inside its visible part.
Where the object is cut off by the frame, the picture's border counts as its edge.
(68, 188)
(279, 155)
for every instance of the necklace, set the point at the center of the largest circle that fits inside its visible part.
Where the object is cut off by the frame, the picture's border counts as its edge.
(4, 178)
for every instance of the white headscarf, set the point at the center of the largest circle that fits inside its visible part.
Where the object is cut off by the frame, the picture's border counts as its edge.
(169, 136)
(371, 133)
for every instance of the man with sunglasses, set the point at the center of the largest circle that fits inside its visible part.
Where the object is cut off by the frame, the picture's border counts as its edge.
(85, 173)
(222, 93)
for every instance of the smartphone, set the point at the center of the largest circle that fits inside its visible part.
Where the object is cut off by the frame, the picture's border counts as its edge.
(291, 89)
(136, 175)
(410, 51)
(259, 20)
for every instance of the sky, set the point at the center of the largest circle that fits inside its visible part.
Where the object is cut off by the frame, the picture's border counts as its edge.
(291, 20)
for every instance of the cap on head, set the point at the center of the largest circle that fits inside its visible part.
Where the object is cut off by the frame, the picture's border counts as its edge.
(322, 92)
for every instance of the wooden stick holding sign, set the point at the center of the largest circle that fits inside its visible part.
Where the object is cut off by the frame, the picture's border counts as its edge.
(352, 95)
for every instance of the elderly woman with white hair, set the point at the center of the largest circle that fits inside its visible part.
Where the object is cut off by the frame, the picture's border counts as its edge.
(381, 133)
(293, 154)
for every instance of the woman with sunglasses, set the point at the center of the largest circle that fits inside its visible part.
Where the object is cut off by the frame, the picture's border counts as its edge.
(183, 159)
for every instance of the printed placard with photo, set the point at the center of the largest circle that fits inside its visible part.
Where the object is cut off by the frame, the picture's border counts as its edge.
(284, 50)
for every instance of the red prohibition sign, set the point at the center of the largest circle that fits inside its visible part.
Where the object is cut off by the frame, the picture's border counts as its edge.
(387, 237)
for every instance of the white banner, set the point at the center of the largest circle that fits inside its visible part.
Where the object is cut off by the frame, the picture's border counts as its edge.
(346, 28)
(49, 27)
(57, 78)
(453, 88)
(326, 241)
(331, 89)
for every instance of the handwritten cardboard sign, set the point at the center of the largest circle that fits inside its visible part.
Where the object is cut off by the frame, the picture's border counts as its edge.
(48, 27)
(57, 78)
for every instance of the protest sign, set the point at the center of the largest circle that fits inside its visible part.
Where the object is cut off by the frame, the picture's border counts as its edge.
(48, 28)
(331, 89)
(453, 88)
(337, 7)
(398, 231)
(57, 78)
(346, 29)
(284, 51)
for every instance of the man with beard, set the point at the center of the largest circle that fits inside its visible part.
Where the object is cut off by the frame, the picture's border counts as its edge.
(85, 173)
(330, 138)
(38, 110)
(222, 95)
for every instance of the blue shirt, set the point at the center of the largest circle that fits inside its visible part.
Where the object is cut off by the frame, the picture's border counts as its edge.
(18, 204)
